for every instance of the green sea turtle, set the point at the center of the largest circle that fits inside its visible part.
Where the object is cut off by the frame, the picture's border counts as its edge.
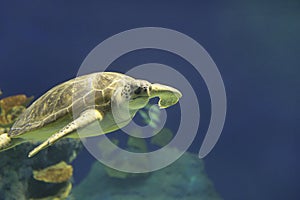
(82, 103)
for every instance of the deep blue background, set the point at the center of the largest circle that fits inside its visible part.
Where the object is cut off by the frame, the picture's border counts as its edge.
(255, 45)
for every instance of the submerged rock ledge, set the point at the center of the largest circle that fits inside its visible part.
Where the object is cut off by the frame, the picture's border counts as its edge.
(184, 179)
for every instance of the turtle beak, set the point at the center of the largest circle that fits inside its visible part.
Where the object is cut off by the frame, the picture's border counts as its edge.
(168, 96)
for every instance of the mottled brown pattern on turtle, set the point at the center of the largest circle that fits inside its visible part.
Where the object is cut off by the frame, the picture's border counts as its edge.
(79, 93)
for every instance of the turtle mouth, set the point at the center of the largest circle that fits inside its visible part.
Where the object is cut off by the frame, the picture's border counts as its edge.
(144, 97)
(167, 95)
(139, 97)
(138, 102)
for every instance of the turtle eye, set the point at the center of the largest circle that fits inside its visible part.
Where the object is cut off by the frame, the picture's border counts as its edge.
(138, 90)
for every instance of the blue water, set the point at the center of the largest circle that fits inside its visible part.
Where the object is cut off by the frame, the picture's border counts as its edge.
(255, 45)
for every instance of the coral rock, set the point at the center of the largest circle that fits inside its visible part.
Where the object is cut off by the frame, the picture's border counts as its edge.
(57, 173)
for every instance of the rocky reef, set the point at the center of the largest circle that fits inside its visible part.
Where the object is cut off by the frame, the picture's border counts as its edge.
(23, 178)
(16, 171)
(184, 179)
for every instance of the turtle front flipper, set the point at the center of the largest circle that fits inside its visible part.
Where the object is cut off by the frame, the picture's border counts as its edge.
(86, 118)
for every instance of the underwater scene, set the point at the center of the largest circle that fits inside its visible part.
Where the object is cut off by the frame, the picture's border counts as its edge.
(160, 100)
(50, 174)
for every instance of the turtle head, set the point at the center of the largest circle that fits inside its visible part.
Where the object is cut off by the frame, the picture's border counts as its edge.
(140, 94)
(142, 91)
(168, 96)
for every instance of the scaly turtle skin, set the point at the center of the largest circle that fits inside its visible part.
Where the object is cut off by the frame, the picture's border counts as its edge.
(90, 99)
